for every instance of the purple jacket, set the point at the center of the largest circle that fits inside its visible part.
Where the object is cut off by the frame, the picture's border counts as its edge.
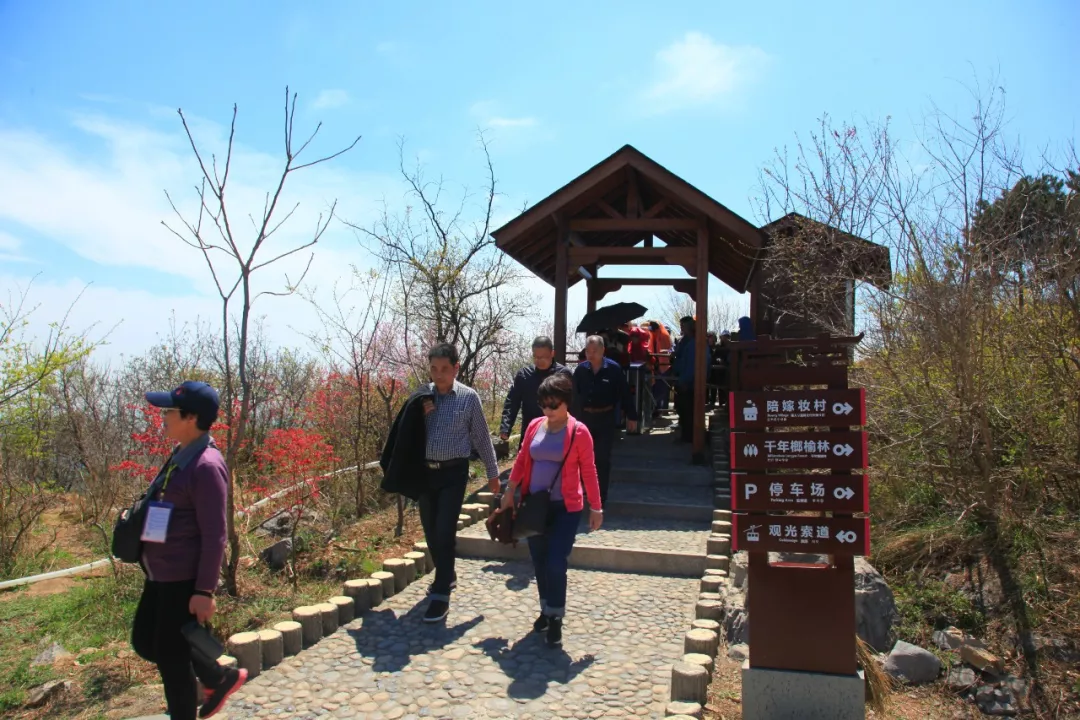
(195, 542)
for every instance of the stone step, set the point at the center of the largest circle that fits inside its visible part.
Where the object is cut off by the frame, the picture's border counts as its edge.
(650, 472)
(655, 546)
(622, 634)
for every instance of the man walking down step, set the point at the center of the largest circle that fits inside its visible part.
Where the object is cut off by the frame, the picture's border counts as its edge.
(455, 425)
(183, 544)
(523, 393)
(599, 385)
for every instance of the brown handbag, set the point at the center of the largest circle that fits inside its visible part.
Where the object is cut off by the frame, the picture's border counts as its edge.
(500, 526)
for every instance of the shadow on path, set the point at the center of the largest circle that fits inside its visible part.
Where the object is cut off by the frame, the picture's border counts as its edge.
(392, 641)
(520, 573)
(531, 664)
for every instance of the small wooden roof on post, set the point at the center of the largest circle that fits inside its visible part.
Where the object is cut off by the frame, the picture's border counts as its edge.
(602, 217)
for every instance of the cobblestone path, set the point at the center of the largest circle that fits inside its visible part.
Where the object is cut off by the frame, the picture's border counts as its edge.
(622, 634)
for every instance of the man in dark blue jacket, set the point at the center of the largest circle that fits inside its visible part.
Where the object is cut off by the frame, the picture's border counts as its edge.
(600, 386)
(522, 394)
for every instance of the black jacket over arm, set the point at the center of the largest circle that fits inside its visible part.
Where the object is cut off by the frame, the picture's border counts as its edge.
(402, 458)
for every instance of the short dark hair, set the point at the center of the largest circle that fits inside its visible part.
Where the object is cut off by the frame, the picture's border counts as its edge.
(203, 422)
(556, 387)
(654, 325)
(543, 341)
(688, 319)
(443, 350)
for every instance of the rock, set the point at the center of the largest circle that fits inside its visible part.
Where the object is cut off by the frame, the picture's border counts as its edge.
(44, 693)
(875, 607)
(912, 664)
(1018, 688)
(981, 659)
(995, 701)
(736, 619)
(277, 555)
(738, 568)
(950, 638)
(50, 655)
(961, 679)
(739, 652)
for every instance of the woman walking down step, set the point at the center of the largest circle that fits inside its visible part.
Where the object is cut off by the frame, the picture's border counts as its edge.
(558, 460)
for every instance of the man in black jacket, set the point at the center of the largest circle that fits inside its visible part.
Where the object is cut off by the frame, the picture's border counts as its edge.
(522, 394)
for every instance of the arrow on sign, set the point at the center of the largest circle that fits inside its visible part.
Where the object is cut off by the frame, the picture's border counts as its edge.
(842, 408)
(843, 493)
(846, 536)
(842, 450)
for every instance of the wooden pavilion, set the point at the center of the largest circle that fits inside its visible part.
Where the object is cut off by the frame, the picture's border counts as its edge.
(612, 214)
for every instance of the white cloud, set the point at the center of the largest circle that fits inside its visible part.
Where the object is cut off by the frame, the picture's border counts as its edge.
(331, 99)
(487, 114)
(696, 71)
(10, 247)
(105, 202)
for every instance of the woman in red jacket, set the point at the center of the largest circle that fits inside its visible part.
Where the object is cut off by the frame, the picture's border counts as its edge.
(555, 440)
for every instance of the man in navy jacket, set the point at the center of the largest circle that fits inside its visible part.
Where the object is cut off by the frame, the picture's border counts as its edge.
(522, 394)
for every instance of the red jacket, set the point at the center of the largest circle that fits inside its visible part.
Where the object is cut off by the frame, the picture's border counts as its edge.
(580, 466)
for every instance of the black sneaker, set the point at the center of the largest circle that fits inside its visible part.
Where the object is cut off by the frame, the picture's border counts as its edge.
(436, 611)
(541, 624)
(215, 699)
(554, 632)
(453, 586)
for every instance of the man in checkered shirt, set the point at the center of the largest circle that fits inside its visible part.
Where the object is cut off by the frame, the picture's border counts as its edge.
(455, 426)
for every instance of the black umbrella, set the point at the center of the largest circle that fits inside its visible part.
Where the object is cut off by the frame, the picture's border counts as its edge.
(610, 317)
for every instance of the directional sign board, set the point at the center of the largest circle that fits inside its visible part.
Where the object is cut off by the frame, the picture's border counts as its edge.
(766, 493)
(832, 408)
(791, 533)
(768, 451)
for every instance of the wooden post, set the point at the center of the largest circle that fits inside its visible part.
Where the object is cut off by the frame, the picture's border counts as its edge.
(701, 370)
(562, 238)
(590, 292)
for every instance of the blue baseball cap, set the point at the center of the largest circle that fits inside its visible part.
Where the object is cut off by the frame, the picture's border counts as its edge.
(192, 396)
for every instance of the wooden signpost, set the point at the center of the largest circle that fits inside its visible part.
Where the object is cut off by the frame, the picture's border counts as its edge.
(804, 612)
(777, 493)
(804, 450)
(759, 410)
(794, 533)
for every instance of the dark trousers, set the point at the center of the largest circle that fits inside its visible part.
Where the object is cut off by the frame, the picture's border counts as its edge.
(156, 638)
(684, 407)
(440, 506)
(551, 557)
(602, 428)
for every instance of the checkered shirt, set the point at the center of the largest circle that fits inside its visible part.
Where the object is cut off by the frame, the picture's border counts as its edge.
(457, 427)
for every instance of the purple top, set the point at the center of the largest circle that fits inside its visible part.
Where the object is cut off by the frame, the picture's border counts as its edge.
(546, 452)
(195, 541)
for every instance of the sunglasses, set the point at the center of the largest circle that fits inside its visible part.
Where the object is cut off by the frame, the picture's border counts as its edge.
(166, 411)
(551, 405)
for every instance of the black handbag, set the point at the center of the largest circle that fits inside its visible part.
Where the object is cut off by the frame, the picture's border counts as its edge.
(531, 518)
(203, 645)
(127, 544)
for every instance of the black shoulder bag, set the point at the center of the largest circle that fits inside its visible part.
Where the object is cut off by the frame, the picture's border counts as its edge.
(127, 532)
(531, 518)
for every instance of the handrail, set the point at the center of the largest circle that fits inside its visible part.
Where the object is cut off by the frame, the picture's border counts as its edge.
(31, 579)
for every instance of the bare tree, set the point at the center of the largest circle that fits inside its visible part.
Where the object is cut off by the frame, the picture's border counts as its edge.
(452, 284)
(215, 233)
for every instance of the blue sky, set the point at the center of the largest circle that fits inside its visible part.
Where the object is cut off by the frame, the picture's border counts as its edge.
(89, 137)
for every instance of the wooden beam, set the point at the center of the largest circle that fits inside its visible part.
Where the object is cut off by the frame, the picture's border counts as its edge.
(634, 224)
(701, 369)
(656, 209)
(608, 210)
(631, 256)
(562, 241)
(633, 194)
(601, 287)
